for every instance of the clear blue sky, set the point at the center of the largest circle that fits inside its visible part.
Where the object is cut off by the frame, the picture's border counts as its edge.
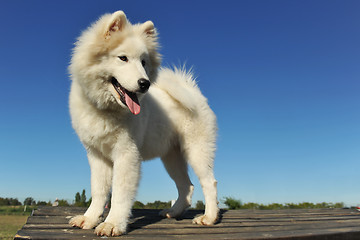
(282, 76)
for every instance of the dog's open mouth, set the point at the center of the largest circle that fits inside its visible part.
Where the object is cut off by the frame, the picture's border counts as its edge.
(127, 98)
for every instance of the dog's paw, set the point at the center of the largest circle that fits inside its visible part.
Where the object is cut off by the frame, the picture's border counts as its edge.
(205, 220)
(83, 222)
(109, 229)
(171, 213)
(175, 211)
(167, 213)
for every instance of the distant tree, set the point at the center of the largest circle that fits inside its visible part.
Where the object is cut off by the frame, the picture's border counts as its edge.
(236, 204)
(305, 205)
(138, 205)
(80, 200)
(83, 197)
(232, 203)
(200, 205)
(9, 201)
(29, 201)
(63, 203)
(42, 203)
(14, 202)
(272, 206)
(77, 198)
(339, 205)
(250, 205)
(158, 205)
(322, 205)
(4, 202)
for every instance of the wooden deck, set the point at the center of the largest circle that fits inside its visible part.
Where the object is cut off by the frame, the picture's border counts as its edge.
(52, 223)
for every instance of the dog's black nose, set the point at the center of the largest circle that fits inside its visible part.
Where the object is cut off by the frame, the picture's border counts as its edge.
(144, 85)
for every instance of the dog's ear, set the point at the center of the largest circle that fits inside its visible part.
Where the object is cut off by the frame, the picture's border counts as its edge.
(117, 23)
(148, 28)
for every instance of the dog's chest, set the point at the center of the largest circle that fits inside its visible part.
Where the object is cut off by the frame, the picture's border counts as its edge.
(101, 132)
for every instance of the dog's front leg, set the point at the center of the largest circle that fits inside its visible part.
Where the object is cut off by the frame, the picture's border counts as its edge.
(126, 173)
(101, 175)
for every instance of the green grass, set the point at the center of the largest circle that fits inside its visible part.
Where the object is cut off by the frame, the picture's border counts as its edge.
(16, 210)
(12, 218)
(10, 224)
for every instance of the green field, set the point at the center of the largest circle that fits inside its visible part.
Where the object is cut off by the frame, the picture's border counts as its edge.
(12, 218)
(10, 224)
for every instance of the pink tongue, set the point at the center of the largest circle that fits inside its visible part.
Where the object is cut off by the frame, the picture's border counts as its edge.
(133, 103)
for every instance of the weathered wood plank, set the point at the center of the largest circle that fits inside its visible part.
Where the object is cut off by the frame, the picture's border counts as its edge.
(296, 234)
(52, 223)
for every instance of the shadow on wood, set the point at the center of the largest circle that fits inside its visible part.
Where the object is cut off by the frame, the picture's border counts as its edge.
(142, 218)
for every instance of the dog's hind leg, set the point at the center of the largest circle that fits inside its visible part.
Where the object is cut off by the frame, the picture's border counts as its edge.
(101, 175)
(177, 168)
(201, 159)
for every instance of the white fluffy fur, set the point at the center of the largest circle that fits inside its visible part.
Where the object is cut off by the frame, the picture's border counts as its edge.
(175, 123)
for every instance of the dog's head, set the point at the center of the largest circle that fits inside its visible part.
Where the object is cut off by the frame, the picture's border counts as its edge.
(115, 62)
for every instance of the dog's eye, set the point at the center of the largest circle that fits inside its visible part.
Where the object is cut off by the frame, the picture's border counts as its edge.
(124, 58)
(143, 63)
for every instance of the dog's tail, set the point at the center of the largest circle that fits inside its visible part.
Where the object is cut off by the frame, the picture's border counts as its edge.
(181, 85)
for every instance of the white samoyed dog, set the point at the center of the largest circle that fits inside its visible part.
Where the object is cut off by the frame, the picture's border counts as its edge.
(125, 110)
